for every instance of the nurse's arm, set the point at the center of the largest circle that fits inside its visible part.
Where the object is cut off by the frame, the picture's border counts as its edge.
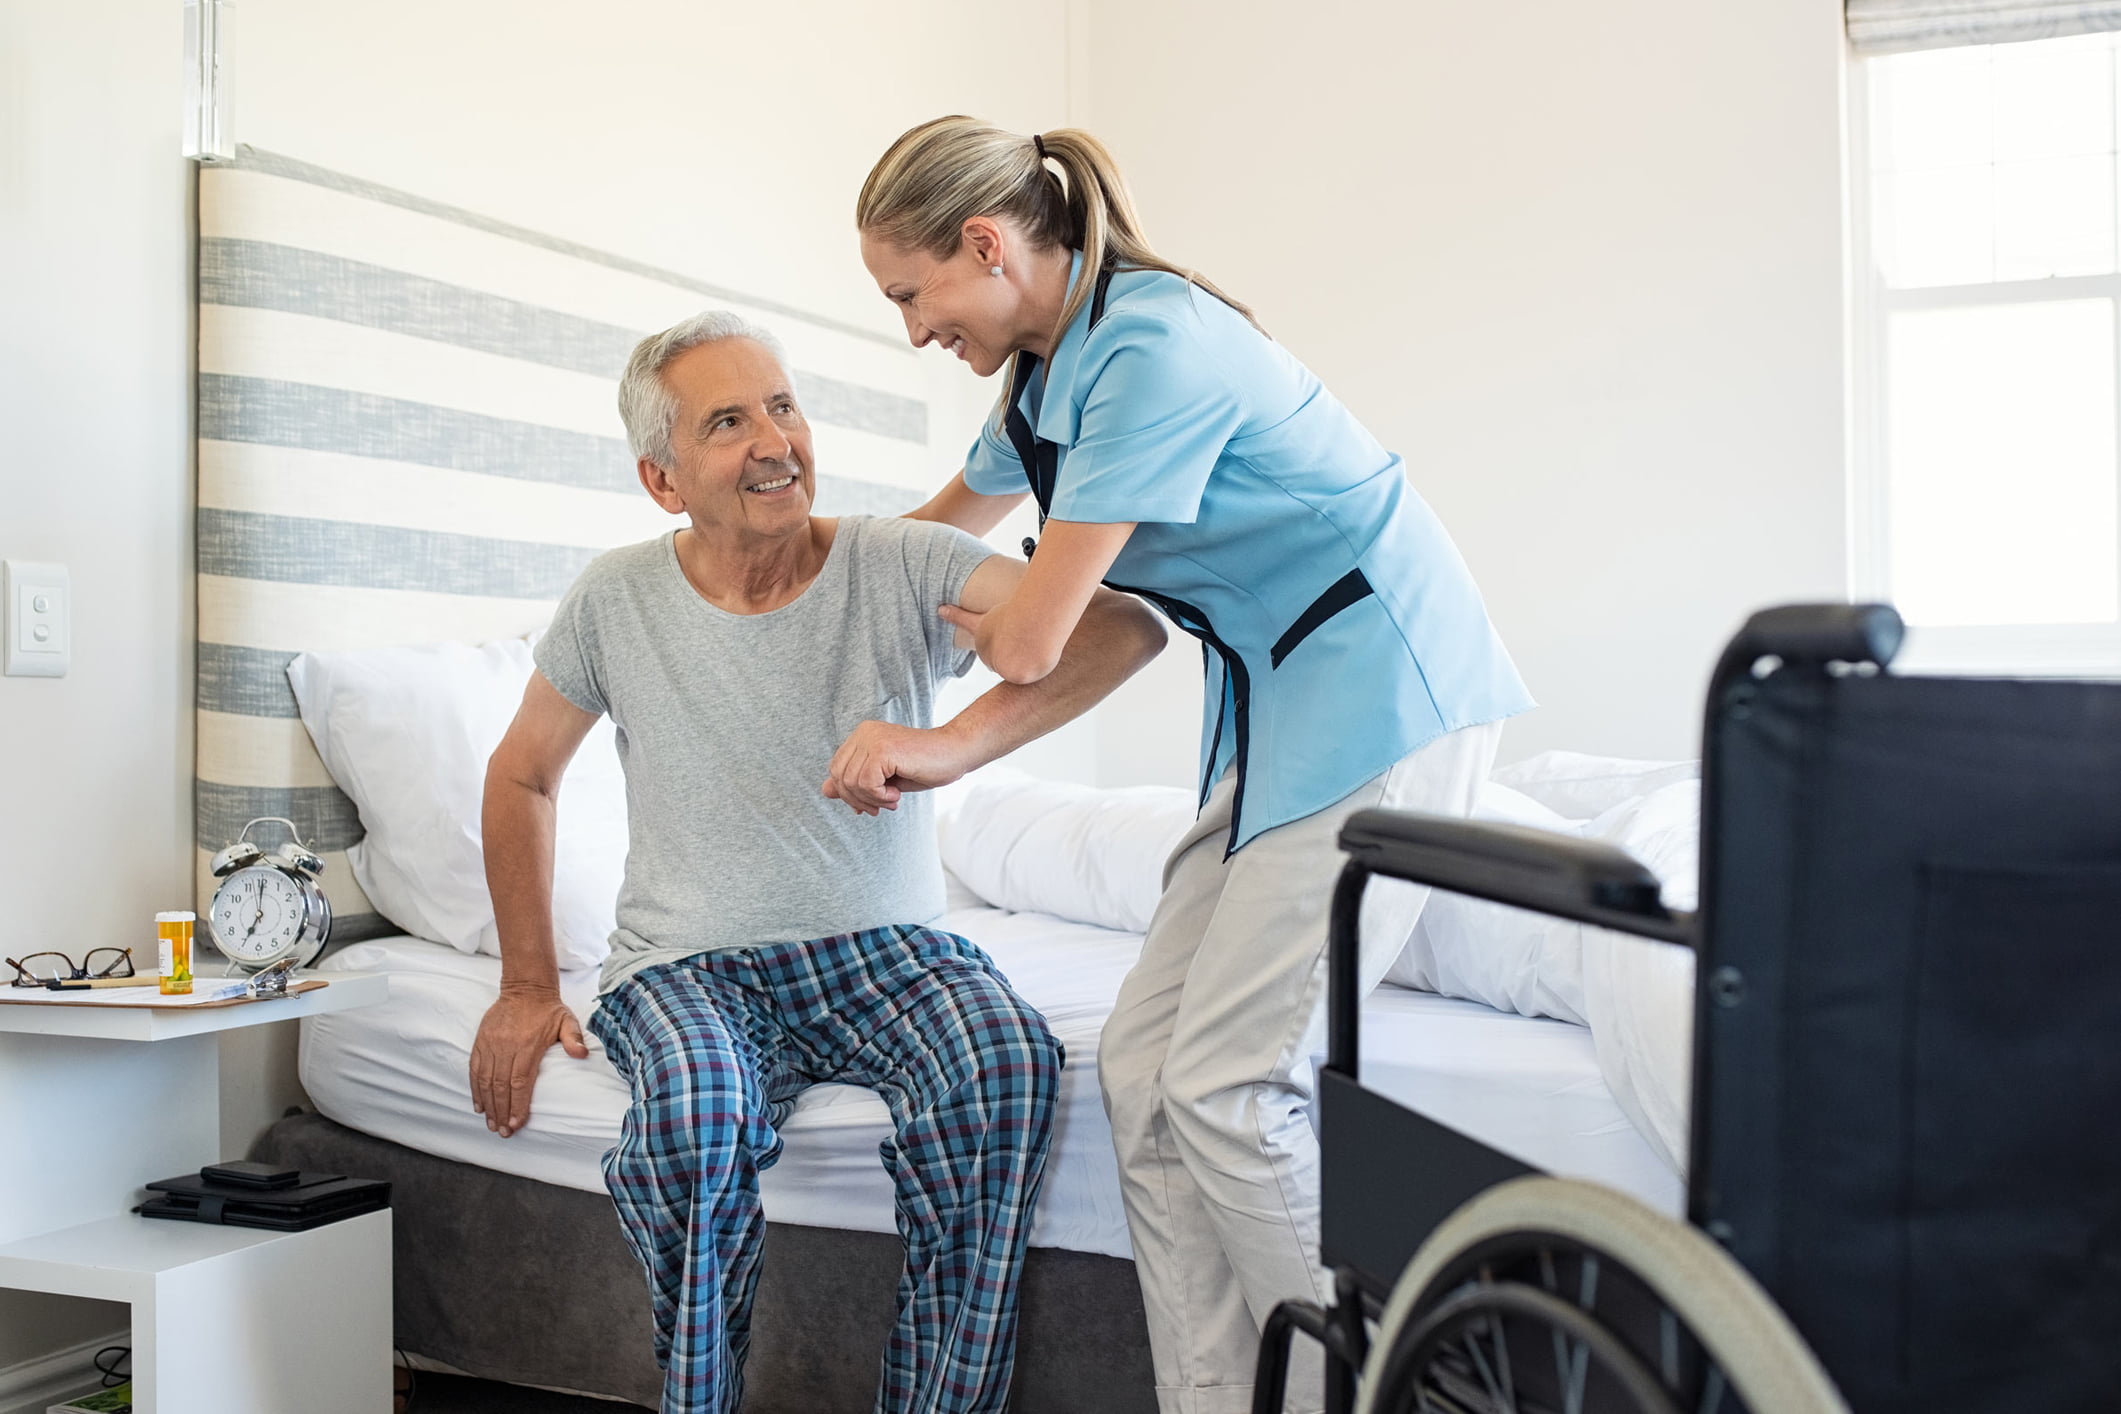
(881, 760)
(1116, 638)
(1022, 638)
(959, 505)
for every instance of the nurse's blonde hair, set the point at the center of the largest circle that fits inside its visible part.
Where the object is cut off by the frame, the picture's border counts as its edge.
(948, 170)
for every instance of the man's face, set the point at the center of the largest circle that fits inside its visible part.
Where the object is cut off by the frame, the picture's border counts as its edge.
(740, 442)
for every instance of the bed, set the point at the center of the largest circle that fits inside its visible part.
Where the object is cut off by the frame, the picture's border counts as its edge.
(397, 1072)
(479, 1292)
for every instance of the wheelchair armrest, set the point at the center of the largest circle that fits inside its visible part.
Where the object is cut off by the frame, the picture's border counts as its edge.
(1525, 868)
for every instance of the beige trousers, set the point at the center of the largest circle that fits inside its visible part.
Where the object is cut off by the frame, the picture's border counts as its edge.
(1207, 1072)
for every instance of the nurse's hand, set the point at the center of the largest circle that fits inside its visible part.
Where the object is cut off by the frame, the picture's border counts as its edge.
(881, 761)
(965, 622)
(978, 631)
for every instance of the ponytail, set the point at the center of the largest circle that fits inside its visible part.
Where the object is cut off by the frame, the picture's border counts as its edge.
(941, 174)
(1102, 218)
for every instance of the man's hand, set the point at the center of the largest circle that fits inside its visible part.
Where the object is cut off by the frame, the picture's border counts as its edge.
(513, 1037)
(880, 761)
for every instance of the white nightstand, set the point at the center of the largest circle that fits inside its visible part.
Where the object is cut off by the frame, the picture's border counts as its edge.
(94, 1102)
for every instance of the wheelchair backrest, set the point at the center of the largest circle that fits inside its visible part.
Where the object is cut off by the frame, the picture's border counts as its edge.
(1907, 1088)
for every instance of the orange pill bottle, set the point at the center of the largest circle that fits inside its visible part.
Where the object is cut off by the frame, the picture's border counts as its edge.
(173, 944)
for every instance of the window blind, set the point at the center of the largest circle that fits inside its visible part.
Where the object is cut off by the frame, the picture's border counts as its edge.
(1891, 26)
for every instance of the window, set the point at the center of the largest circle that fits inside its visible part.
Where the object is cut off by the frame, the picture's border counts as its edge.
(1988, 274)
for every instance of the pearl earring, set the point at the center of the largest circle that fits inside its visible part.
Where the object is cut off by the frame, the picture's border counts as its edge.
(994, 270)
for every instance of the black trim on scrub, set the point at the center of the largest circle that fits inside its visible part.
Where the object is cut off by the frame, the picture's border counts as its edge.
(1041, 460)
(1179, 612)
(1350, 589)
(1097, 296)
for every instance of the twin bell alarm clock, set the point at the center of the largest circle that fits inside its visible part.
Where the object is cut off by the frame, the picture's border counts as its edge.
(268, 908)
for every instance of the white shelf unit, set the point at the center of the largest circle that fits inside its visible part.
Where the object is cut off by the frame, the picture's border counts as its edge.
(97, 1101)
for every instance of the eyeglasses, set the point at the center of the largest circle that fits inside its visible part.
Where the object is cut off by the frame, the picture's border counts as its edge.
(41, 968)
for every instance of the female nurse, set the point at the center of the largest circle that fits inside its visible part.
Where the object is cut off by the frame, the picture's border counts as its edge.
(1178, 453)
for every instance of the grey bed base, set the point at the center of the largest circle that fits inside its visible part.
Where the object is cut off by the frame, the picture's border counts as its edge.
(512, 1279)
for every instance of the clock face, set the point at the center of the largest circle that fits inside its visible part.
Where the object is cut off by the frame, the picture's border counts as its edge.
(257, 915)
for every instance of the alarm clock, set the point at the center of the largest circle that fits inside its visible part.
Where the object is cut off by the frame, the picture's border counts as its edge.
(268, 909)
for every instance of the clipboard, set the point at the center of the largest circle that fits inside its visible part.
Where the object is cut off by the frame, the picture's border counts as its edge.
(117, 997)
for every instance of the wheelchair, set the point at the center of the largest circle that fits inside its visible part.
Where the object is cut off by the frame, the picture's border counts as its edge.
(1904, 1178)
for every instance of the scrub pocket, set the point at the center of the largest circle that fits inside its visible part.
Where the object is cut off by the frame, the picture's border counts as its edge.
(1320, 681)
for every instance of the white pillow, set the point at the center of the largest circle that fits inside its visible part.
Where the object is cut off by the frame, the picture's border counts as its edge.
(1639, 996)
(1662, 829)
(1535, 964)
(1582, 787)
(1084, 853)
(1507, 958)
(406, 732)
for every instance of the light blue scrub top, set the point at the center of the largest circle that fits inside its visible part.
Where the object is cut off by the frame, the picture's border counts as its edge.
(1340, 627)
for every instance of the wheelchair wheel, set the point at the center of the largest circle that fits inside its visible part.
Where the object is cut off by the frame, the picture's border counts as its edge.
(1552, 1296)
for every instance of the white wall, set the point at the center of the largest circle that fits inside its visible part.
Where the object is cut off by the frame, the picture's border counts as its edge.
(1579, 264)
(95, 401)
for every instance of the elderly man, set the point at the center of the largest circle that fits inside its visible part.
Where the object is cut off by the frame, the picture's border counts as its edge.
(771, 928)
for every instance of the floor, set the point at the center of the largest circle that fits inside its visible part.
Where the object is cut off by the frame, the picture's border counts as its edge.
(460, 1394)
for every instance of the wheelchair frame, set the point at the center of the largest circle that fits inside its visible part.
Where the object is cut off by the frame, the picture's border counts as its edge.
(1390, 1175)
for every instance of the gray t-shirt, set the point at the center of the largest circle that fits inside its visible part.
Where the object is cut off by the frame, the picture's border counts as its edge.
(727, 722)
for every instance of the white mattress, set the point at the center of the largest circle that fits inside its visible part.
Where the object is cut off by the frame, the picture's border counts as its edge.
(1528, 1086)
(398, 1071)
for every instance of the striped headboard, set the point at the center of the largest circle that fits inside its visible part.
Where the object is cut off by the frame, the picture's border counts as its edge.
(407, 433)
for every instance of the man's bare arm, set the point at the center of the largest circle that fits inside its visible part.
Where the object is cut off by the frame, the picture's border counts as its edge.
(518, 823)
(1116, 638)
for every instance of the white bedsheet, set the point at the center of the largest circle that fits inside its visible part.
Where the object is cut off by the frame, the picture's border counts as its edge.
(398, 1071)
(1528, 1086)
(1096, 855)
(1637, 997)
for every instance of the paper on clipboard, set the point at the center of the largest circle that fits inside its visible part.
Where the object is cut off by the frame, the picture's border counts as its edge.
(204, 993)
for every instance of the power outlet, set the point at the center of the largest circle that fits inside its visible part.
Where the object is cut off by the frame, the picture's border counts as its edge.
(40, 619)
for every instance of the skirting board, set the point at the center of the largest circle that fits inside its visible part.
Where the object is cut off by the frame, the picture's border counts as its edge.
(33, 1386)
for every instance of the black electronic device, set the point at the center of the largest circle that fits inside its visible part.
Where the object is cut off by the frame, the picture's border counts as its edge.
(249, 1173)
(311, 1200)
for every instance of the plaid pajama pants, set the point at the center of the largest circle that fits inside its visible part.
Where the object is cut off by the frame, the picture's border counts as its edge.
(718, 1046)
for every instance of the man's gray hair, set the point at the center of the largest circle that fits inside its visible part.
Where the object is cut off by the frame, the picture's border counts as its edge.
(646, 404)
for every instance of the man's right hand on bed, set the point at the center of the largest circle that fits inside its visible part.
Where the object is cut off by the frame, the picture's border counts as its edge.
(514, 1035)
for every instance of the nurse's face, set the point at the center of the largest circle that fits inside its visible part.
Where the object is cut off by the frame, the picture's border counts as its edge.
(958, 303)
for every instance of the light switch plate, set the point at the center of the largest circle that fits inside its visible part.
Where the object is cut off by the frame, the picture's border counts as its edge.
(40, 619)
